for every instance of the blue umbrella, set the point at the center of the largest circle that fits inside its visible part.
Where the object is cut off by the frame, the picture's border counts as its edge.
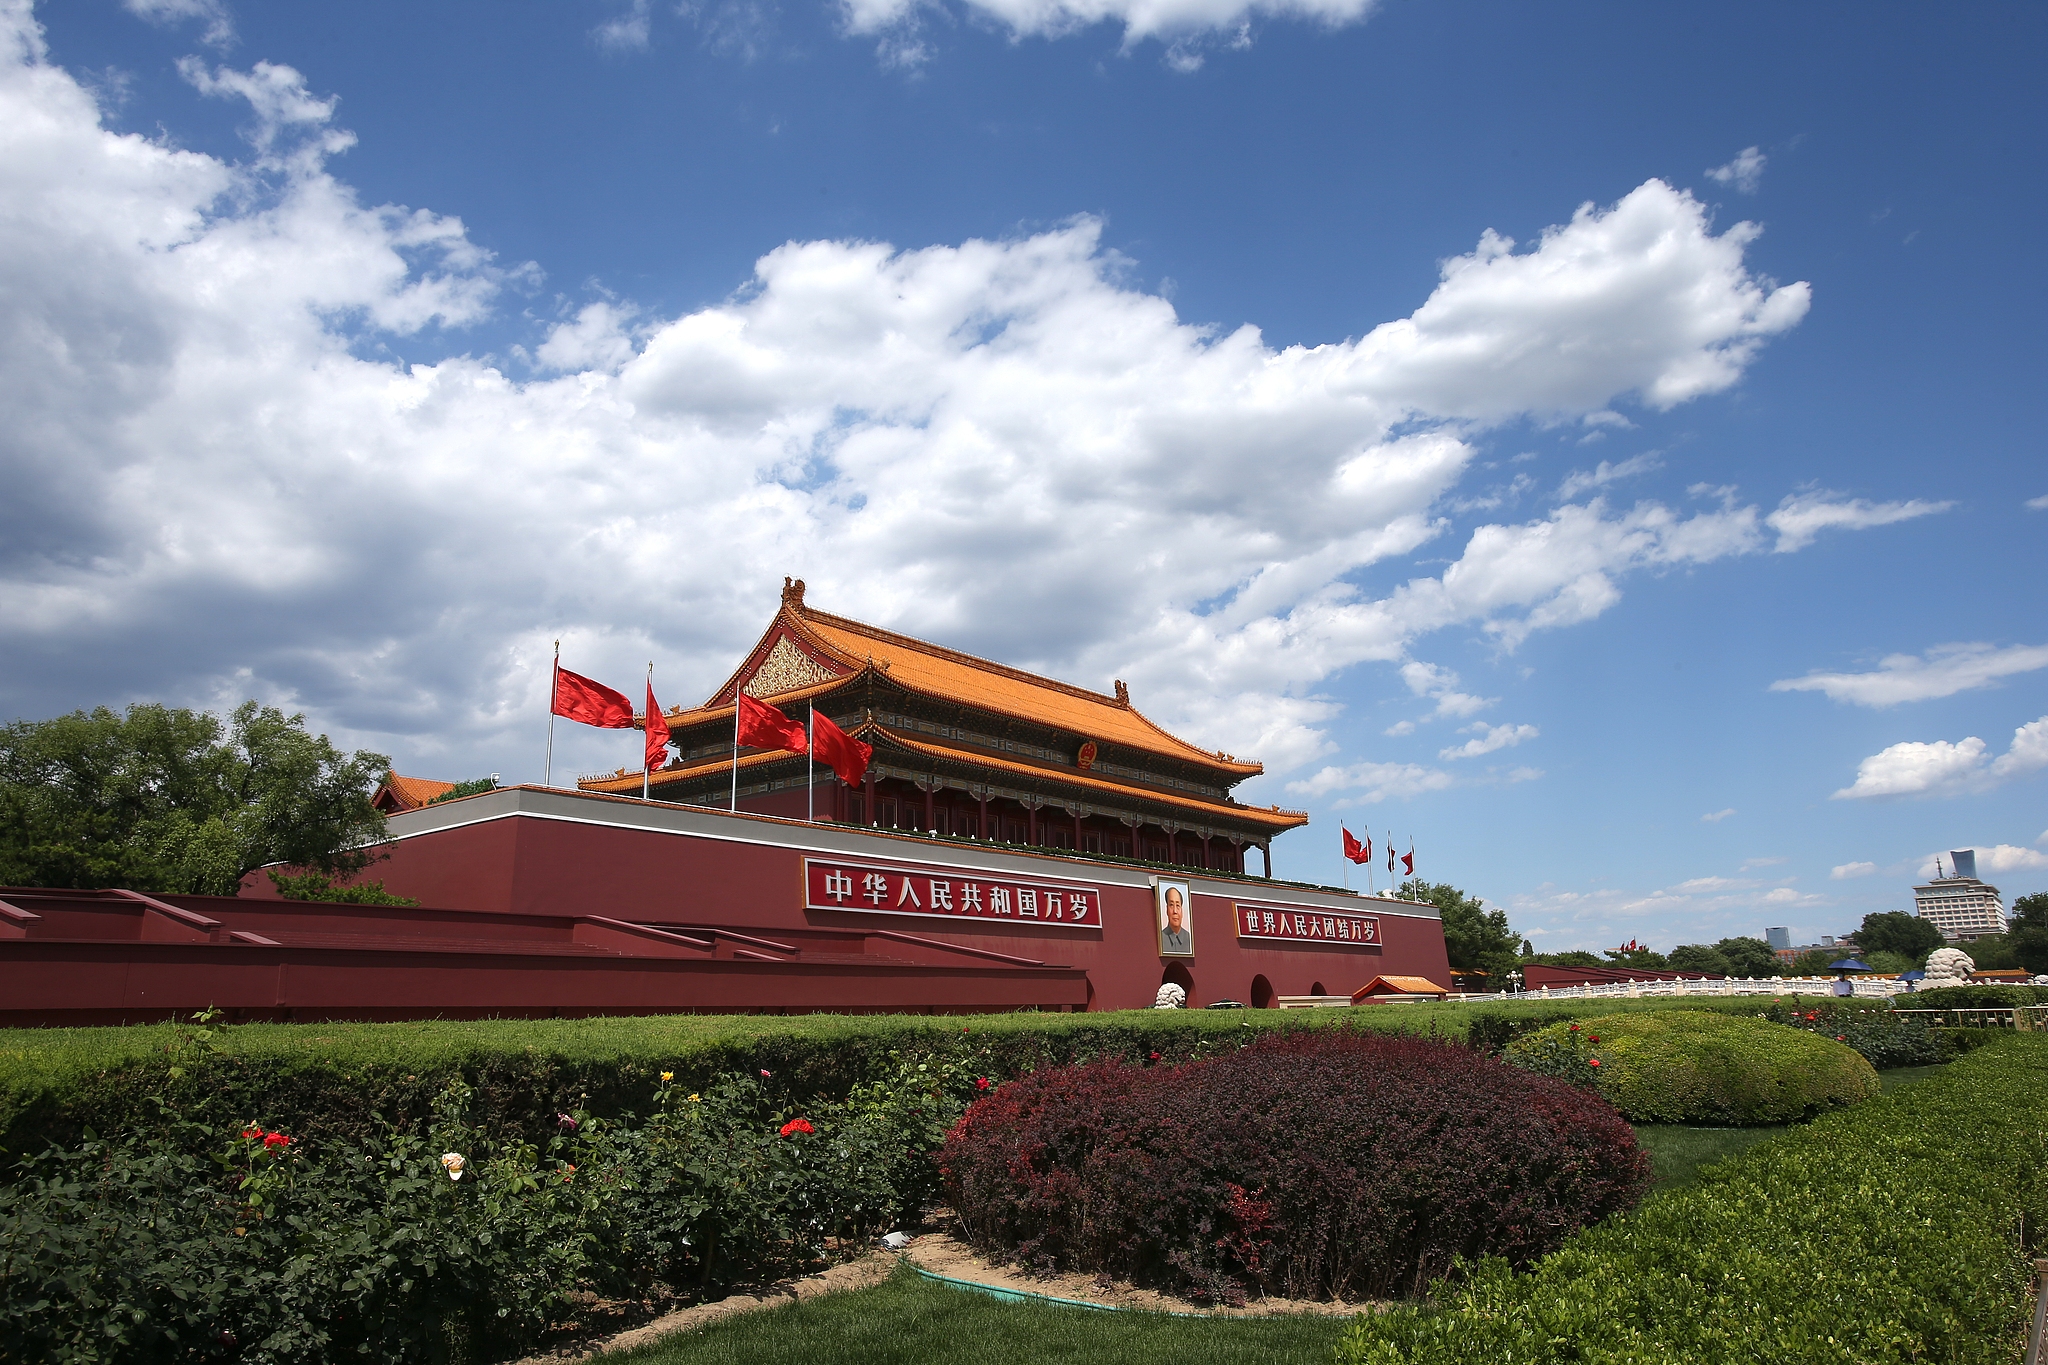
(1850, 964)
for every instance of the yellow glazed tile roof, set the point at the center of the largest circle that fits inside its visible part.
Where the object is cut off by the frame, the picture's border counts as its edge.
(949, 675)
(945, 673)
(412, 792)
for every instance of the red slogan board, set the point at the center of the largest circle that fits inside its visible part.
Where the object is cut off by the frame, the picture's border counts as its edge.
(873, 889)
(1282, 924)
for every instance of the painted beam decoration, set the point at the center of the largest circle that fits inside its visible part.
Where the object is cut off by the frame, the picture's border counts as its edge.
(1292, 924)
(832, 884)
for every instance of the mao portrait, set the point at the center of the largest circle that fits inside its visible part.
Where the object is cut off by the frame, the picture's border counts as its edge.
(1176, 920)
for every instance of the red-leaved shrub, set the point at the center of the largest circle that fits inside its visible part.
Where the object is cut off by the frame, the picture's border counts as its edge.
(1336, 1163)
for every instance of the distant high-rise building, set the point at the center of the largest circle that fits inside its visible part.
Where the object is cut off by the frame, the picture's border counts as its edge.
(1778, 938)
(1959, 905)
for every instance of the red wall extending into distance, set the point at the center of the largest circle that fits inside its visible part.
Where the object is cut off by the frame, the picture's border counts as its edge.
(540, 902)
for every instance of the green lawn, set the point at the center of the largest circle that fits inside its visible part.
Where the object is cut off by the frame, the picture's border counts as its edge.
(1677, 1153)
(908, 1320)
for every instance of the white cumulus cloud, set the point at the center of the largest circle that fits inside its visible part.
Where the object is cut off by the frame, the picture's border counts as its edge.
(1843, 872)
(218, 26)
(1188, 21)
(221, 483)
(1938, 767)
(1943, 672)
(1441, 686)
(1370, 783)
(1488, 738)
(1745, 173)
(1803, 516)
(1717, 816)
(1581, 481)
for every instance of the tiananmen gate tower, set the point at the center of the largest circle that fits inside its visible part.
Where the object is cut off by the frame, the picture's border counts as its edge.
(964, 747)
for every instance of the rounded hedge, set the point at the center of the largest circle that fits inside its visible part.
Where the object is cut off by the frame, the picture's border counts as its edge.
(1334, 1164)
(1690, 1066)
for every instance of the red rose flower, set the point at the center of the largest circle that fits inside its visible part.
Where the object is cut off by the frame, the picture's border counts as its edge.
(764, 1075)
(797, 1126)
(1575, 1028)
(981, 1082)
(1593, 1038)
(251, 1134)
(1595, 1061)
(276, 1140)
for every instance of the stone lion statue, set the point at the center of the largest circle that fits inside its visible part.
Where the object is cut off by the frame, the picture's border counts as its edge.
(1170, 997)
(1947, 967)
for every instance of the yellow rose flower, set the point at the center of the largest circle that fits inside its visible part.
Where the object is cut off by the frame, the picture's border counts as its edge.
(667, 1076)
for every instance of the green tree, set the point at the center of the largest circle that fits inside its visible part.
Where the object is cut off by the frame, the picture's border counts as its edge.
(2027, 933)
(166, 799)
(1816, 962)
(1748, 956)
(1643, 959)
(1895, 931)
(1576, 957)
(1476, 937)
(1698, 958)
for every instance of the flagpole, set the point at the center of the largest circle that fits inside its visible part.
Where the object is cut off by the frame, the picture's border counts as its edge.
(554, 691)
(810, 769)
(735, 748)
(643, 732)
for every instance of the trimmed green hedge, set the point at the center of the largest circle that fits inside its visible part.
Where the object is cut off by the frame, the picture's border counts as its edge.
(1490, 1028)
(328, 1079)
(1692, 1066)
(334, 1080)
(1973, 998)
(1895, 1231)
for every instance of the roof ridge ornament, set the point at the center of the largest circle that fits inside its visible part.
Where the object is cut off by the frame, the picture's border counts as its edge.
(1123, 693)
(793, 592)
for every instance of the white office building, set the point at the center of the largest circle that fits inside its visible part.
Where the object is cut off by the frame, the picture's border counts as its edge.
(1959, 905)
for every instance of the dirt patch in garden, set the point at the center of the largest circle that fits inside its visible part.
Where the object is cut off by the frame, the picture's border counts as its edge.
(942, 1254)
(868, 1270)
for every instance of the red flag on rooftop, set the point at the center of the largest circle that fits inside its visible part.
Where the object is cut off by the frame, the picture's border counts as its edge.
(1408, 861)
(657, 732)
(580, 699)
(1355, 851)
(761, 726)
(846, 755)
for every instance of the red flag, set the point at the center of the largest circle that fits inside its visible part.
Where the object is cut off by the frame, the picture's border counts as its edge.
(761, 726)
(578, 698)
(1355, 851)
(844, 754)
(1408, 861)
(657, 732)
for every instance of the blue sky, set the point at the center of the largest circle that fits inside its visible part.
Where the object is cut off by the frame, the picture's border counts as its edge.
(356, 353)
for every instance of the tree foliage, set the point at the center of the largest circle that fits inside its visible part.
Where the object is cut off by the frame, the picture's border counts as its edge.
(1642, 959)
(1729, 957)
(2027, 936)
(1895, 931)
(1576, 957)
(166, 799)
(1476, 937)
(1699, 958)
